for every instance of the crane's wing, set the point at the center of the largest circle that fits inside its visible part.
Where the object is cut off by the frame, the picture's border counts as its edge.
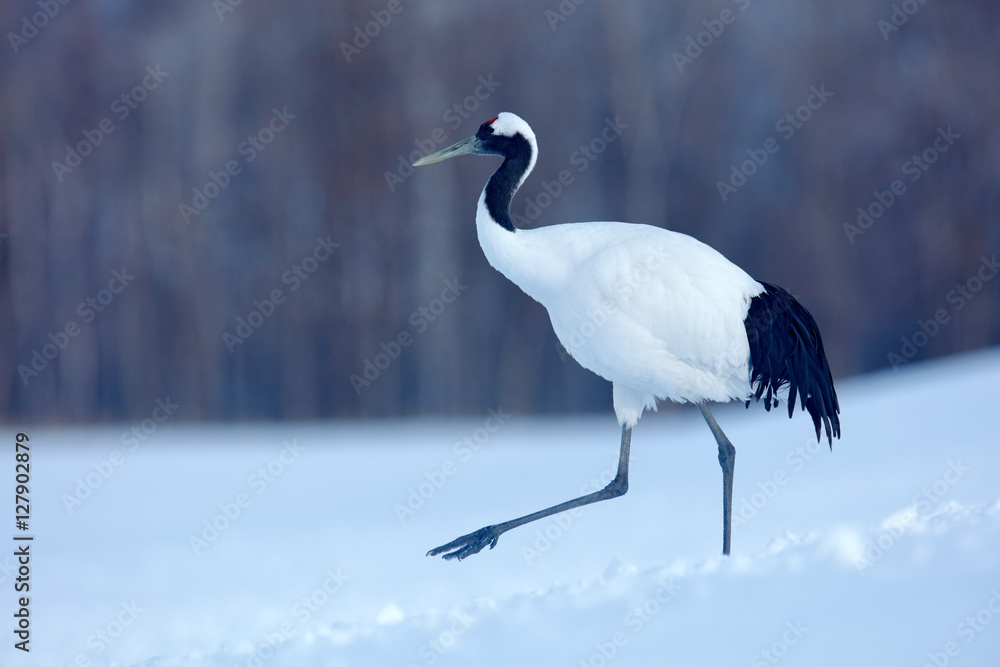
(658, 311)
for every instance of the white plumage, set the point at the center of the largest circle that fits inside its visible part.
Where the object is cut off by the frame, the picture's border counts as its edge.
(658, 313)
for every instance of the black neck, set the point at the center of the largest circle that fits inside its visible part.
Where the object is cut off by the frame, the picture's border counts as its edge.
(504, 182)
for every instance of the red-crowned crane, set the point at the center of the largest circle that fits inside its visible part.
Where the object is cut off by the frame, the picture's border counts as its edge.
(658, 313)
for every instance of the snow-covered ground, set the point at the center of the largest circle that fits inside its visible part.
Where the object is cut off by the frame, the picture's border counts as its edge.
(303, 544)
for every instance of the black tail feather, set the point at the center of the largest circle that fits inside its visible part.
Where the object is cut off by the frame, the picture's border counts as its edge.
(786, 348)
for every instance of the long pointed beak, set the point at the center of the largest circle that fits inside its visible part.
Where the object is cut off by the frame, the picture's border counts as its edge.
(463, 147)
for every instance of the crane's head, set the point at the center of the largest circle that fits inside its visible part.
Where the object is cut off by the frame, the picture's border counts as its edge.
(507, 135)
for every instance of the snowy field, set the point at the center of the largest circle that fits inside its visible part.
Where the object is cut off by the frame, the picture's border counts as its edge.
(303, 544)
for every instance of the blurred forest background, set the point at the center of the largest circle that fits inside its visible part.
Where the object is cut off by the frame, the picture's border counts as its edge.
(168, 168)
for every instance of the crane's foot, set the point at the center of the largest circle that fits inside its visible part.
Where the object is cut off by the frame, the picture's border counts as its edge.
(467, 545)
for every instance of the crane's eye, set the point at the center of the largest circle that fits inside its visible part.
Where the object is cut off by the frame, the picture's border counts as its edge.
(488, 125)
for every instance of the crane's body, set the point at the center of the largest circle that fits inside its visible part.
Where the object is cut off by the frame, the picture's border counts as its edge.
(658, 313)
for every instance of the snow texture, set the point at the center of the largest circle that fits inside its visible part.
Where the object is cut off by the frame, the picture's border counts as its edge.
(885, 551)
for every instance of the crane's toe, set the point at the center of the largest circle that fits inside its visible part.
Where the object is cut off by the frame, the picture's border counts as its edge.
(468, 545)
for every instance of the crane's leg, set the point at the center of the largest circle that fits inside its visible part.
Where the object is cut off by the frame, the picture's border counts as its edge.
(475, 542)
(727, 459)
